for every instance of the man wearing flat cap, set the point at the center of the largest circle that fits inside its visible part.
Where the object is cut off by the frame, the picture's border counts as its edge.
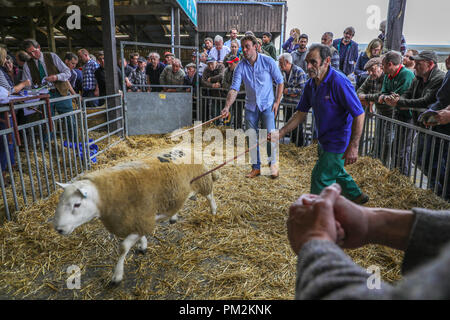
(424, 86)
(138, 77)
(373, 83)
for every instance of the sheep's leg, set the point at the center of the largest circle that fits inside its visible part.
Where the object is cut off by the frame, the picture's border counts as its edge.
(142, 246)
(125, 246)
(212, 203)
(160, 217)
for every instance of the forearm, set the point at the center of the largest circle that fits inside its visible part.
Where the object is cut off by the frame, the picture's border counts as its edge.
(357, 128)
(324, 271)
(279, 93)
(231, 97)
(19, 87)
(297, 118)
(389, 227)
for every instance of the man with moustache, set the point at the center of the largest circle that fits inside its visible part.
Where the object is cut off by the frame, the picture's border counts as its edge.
(348, 51)
(339, 117)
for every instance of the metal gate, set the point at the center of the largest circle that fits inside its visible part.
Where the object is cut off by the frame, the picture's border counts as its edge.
(53, 149)
(157, 112)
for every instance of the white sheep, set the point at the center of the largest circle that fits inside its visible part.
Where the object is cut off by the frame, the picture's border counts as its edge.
(130, 198)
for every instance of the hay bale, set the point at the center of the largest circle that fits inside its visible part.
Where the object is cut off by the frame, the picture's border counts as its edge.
(241, 253)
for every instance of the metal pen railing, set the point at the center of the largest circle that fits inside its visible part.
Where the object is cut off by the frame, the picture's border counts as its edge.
(54, 151)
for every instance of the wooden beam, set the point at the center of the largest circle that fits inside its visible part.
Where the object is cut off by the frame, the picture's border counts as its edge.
(394, 26)
(51, 32)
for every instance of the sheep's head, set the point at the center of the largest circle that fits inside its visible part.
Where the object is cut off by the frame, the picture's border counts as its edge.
(77, 205)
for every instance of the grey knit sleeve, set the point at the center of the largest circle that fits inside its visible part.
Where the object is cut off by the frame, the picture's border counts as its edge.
(324, 271)
(429, 233)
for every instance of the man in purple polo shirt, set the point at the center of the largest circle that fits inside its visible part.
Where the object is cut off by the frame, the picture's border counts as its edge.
(339, 117)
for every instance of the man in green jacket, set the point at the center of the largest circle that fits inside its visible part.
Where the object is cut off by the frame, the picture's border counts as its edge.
(268, 45)
(397, 80)
(424, 87)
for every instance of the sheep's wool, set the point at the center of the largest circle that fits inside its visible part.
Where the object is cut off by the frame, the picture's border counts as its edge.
(131, 194)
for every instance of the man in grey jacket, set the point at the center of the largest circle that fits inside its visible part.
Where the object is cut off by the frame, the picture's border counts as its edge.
(318, 226)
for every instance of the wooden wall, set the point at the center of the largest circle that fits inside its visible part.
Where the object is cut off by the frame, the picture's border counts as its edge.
(257, 18)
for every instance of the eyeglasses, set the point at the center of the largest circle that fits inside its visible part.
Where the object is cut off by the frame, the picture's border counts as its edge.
(32, 51)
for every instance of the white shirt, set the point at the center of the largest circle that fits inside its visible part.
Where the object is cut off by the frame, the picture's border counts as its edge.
(219, 55)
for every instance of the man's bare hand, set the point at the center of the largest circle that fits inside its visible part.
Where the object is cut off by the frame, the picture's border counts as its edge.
(350, 155)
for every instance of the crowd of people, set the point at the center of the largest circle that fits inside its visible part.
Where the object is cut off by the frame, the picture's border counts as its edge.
(337, 81)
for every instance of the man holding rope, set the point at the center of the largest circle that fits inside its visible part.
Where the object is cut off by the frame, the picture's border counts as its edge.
(257, 71)
(339, 117)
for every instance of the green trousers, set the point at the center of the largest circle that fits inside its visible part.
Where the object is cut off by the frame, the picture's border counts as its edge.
(329, 169)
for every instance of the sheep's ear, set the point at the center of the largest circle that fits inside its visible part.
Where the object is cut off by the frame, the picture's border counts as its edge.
(83, 192)
(62, 185)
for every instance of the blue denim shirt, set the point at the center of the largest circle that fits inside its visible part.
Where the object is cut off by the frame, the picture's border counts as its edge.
(335, 104)
(258, 81)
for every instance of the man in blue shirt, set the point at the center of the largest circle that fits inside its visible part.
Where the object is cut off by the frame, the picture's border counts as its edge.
(257, 71)
(339, 117)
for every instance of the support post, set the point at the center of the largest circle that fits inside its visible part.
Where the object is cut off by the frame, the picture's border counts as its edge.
(109, 45)
(177, 33)
(172, 31)
(394, 25)
(50, 30)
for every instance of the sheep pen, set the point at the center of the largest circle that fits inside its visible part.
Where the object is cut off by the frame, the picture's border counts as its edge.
(241, 253)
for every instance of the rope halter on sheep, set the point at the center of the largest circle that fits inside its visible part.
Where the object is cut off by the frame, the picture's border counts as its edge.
(229, 160)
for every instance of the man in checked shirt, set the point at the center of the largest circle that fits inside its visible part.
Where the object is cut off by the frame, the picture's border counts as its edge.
(89, 82)
(138, 77)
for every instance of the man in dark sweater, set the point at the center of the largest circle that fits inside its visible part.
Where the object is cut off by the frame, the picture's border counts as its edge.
(319, 226)
(154, 70)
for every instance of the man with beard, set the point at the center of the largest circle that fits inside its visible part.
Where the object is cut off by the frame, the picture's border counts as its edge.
(348, 51)
(257, 71)
(298, 56)
(339, 117)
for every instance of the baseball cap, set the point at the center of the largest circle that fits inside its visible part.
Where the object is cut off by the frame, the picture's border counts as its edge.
(168, 53)
(425, 55)
(191, 65)
(268, 34)
(141, 59)
(210, 59)
(232, 59)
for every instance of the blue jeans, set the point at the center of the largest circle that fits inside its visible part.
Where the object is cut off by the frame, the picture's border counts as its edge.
(252, 119)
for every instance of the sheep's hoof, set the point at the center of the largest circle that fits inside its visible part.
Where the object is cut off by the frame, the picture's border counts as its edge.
(142, 251)
(115, 282)
(172, 221)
